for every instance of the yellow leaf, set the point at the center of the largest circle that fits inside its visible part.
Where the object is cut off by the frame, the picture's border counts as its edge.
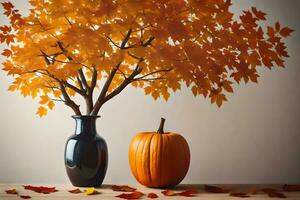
(42, 111)
(155, 94)
(57, 93)
(44, 99)
(90, 191)
(71, 92)
(12, 88)
(25, 91)
(50, 105)
(34, 93)
(166, 95)
(148, 90)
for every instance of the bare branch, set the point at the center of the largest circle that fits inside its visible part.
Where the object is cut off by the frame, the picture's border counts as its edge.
(134, 56)
(94, 78)
(68, 101)
(126, 38)
(123, 74)
(154, 72)
(103, 92)
(150, 79)
(79, 91)
(60, 100)
(121, 87)
(115, 44)
(83, 80)
(148, 42)
(80, 84)
(68, 20)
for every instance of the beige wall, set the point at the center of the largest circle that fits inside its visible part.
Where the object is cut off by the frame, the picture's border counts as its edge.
(253, 138)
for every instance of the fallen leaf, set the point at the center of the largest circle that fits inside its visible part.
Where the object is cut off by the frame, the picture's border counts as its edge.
(252, 191)
(11, 191)
(291, 188)
(75, 191)
(168, 193)
(25, 196)
(152, 195)
(188, 193)
(273, 193)
(276, 194)
(239, 194)
(132, 195)
(214, 189)
(122, 188)
(40, 189)
(91, 191)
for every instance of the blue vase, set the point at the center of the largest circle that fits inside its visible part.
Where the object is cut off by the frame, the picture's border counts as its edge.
(86, 155)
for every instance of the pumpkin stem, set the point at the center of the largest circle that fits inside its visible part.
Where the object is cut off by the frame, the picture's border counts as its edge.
(161, 126)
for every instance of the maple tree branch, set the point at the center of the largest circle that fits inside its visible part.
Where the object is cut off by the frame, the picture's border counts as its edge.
(89, 98)
(81, 74)
(60, 100)
(104, 98)
(123, 74)
(126, 38)
(68, 20)
(151, 73)
(68, 101)
(150, 79)
(83, 79)
(94, 79)
(148, 42)
(103, 92)
(79, 91)
(80, 84)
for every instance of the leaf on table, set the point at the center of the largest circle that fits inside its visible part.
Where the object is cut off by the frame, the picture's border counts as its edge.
(75, 191)
(132, 195)
(188, 193)
(252, 191)
(273, 193)
(123, 188)
(291, 188)
(91, 191)
(239, 194)
(214, 189)
(168, 193)
(276, 194)
(25, 196)
(152, 195)
(11, 191)
(40, 189)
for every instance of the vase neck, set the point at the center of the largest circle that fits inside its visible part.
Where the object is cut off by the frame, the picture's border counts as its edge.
(85, 125)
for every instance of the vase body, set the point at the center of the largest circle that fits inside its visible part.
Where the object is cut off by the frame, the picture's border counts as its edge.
(86, 155)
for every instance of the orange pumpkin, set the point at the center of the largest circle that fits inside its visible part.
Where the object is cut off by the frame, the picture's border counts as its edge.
(159, 159)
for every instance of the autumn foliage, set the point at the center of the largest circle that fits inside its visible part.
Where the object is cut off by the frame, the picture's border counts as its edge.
(67, 47)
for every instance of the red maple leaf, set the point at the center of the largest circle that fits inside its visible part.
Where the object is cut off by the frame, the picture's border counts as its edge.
(132, 195)
(40, 189)
(122, 188)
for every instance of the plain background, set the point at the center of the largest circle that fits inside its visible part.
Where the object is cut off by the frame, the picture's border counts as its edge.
(253, 138)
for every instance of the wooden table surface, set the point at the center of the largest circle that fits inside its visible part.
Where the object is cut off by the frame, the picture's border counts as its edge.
(107, 193)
